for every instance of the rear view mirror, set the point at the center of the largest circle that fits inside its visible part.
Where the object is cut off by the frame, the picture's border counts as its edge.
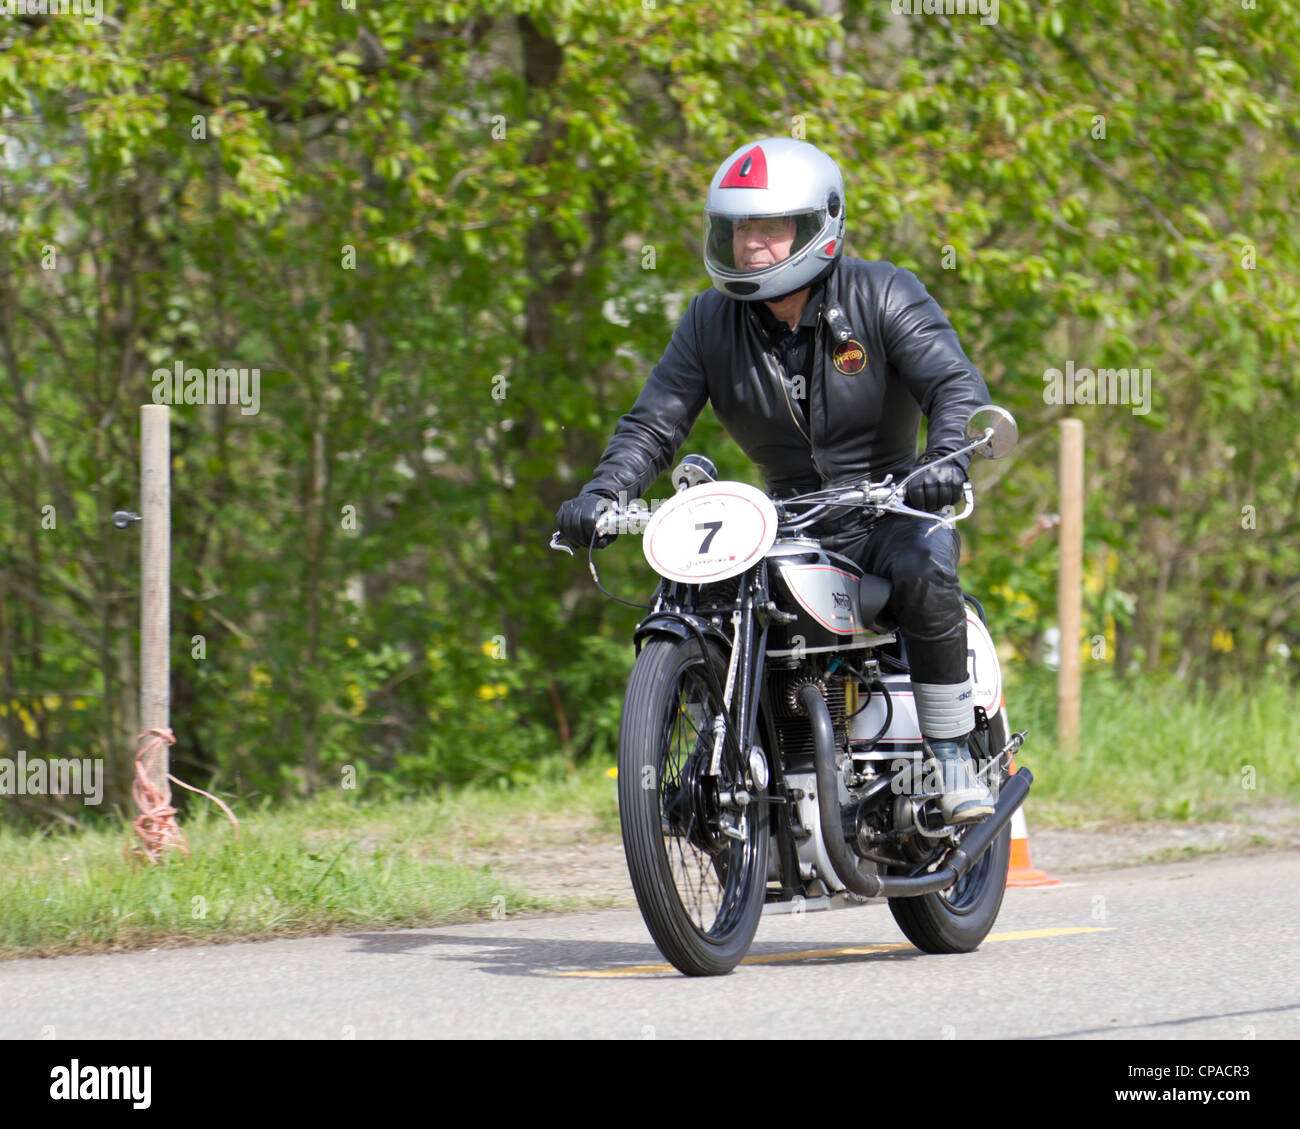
(1005, 433)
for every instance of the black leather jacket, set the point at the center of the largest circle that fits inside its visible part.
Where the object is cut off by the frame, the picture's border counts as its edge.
(863, 412)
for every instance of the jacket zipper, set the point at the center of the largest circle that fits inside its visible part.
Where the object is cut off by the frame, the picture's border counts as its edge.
(815, 368)
(778, 371)
(785, 391)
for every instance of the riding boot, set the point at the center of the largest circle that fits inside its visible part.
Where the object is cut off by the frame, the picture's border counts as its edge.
(947, 716)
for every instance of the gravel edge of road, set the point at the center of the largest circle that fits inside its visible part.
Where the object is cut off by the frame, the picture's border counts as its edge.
(589, 872)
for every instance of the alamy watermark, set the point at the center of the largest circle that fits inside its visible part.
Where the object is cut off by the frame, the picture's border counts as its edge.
(933, 777)
(987, 10)
(61, 777)
(181, 385)
(634, 514)
(92, 11)
(101, 1083)
(1105, 386)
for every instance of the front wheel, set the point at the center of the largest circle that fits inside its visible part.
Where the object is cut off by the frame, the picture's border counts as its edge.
(958, 919)
(698, 867)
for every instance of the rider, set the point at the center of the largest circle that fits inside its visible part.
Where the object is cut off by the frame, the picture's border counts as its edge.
(819, 367)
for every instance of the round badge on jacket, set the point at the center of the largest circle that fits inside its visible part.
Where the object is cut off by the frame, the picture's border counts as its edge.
(850, 358)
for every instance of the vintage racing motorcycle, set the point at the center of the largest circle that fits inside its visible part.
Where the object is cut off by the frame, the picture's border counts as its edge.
(769, 751)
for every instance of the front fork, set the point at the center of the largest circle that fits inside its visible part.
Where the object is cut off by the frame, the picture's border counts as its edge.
(744, 681)
(762, 770)
(757, 764)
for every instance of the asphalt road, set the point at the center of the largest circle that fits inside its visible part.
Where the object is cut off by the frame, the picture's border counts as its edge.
(1200, 949)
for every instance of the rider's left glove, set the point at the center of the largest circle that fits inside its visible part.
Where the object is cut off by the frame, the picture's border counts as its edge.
(576, 518)
(936, 487)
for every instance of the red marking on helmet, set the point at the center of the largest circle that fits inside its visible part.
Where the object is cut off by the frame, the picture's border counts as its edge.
(749, 170)
(829, 249)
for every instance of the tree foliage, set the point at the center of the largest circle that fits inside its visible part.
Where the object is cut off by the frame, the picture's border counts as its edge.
(452, 238)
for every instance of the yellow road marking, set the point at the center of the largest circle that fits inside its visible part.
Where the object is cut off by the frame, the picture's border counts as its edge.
(849, 951)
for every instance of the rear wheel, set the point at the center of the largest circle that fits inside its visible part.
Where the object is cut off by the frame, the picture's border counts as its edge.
(958, 919)
(698, 867)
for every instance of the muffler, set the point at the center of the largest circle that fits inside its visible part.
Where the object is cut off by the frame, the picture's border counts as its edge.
(846, 865)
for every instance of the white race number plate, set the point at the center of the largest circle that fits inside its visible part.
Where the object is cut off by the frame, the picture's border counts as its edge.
(710, 532)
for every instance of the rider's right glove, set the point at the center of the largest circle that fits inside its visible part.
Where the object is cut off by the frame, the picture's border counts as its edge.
(576, 518)
(936, 487)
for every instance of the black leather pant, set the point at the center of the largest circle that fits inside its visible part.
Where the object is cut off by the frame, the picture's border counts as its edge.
(926, 603)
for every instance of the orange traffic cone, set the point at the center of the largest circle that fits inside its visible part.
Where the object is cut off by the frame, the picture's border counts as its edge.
(1022, 871)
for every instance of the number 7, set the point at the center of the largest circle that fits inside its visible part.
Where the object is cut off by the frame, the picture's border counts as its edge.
(712, 527)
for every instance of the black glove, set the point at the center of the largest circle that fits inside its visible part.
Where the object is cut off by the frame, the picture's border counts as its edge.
(576, 519)
(936, 487)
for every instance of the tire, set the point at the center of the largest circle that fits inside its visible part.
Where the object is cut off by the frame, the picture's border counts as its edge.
(699, 891)
(958, 919)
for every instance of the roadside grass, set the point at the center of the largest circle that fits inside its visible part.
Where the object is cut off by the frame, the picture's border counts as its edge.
(1150, 750)
(1157, 749)
(332, 863)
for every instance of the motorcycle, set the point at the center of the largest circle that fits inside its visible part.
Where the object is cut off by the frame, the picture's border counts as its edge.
(769, 754)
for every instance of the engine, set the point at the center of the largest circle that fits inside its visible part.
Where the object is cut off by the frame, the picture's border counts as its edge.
(793, 730)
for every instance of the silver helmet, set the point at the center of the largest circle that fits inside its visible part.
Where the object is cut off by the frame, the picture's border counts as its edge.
(773, 219)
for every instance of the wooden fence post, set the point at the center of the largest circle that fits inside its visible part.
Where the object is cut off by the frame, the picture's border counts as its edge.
(1069, 592)
(155, 575)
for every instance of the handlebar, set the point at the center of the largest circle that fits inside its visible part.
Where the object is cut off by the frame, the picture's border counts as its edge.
(612, 520)
(884, 497)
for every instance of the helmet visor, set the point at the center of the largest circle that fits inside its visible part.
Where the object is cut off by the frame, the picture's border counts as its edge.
(748, 244)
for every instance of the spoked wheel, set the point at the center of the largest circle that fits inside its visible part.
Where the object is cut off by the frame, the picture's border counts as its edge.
(958, 919)
(698, 867)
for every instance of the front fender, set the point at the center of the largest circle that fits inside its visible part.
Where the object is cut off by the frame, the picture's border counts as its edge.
(675, 625)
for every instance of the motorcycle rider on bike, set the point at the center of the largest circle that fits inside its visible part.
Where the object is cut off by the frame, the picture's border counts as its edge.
(819, 366)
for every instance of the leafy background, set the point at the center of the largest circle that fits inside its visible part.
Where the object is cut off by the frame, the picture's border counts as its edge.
(454, 237)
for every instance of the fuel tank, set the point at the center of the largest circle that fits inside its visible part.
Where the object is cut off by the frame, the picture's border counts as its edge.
(824, 590)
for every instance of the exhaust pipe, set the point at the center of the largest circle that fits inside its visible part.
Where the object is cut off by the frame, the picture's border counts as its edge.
(975, 842)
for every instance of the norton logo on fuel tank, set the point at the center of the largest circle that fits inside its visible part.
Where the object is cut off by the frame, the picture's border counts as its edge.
(850, 358)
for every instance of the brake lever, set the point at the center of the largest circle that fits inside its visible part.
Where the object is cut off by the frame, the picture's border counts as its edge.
(947, 522)
(887, 497)
(606, 523)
